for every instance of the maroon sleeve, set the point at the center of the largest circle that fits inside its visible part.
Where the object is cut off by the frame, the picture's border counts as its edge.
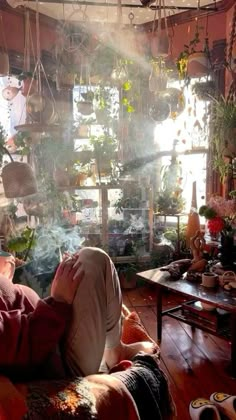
(27, 339)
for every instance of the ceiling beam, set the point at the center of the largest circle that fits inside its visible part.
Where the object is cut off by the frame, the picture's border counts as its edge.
(133, 6)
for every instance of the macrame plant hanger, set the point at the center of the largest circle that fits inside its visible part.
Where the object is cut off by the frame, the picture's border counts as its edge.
(231, 97)
(41, 108)
(159, 37)
(4, 57)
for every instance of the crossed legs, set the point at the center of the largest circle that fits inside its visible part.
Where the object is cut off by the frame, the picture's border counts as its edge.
(95, 331)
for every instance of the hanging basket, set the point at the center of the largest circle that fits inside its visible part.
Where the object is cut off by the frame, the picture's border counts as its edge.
(160, 44)
(198, 65)
(18, 180)
(85, 107)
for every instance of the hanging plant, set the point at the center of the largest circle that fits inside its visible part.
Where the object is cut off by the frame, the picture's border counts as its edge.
(160, 37)
(205, 91)
(194, 62)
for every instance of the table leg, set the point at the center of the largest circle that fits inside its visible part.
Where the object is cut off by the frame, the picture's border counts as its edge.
(159, 313)
(233, 344)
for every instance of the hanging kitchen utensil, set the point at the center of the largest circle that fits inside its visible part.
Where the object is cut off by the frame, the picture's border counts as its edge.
(4, 57)
(159, 37)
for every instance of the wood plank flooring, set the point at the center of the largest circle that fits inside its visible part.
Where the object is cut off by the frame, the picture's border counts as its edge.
(195, 362)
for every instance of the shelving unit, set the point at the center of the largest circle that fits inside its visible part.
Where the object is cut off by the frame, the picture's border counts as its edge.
(97, 229)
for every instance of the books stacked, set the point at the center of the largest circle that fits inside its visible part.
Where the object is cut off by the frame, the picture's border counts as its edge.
(214, 320)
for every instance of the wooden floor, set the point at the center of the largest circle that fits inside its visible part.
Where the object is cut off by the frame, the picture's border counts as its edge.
(195, 362)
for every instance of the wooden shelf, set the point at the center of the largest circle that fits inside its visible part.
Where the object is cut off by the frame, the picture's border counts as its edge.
(176, 313)
(130, 258)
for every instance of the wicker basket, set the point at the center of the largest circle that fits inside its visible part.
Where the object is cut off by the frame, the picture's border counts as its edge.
(18, 180)
(227, 277)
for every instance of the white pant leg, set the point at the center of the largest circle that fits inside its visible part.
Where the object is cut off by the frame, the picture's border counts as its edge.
(96, 321)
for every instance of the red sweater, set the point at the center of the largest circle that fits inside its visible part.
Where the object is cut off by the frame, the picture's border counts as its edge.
(30, 329)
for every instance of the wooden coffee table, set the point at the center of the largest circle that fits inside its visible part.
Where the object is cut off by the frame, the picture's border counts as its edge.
(194, 291)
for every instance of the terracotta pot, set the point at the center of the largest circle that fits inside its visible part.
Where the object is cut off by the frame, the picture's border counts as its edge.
(28, 86)
(61, 177)
(198, 65)
(127, 281)
(18, 180)
(4, 63)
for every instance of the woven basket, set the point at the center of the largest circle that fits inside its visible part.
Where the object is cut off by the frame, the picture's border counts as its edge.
(18, 180)
(227, 277)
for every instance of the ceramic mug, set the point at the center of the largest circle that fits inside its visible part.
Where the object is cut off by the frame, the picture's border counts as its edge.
(7, 264)
(209, 279)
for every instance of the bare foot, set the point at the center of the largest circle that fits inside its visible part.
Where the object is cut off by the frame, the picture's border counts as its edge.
(128, 351)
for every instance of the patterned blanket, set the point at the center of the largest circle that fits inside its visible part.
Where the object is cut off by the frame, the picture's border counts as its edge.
(60, 399)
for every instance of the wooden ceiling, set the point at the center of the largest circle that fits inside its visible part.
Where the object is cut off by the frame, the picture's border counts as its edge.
(106, 11)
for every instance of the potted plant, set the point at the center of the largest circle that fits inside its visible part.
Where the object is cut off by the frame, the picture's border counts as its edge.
(127, 275)
(193, 62)
(28, 82)
(22, 243)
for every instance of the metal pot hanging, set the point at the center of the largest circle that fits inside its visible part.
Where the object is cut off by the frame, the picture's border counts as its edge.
(18, 179)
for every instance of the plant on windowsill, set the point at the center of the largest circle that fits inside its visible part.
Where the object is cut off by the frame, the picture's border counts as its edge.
(103, 149)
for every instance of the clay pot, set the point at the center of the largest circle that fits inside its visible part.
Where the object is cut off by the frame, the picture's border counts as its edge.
(28, 86)
(198, 65)
(61, 177)
(18, 180)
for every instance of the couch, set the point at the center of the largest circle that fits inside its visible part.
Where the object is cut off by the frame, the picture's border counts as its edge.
(100, 397)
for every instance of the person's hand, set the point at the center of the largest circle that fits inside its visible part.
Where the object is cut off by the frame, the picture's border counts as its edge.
(66, 280)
